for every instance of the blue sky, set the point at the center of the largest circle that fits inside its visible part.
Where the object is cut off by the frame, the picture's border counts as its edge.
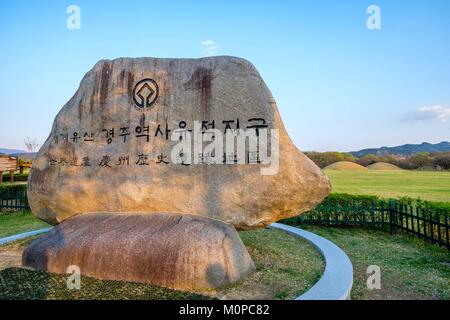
(339, 85)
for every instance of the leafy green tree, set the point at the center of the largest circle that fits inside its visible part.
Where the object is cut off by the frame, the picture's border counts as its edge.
(368, 160)
(323, 159)
(443, 160)
(421, 160)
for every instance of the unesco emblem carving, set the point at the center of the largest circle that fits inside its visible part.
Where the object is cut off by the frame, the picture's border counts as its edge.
(145, 93)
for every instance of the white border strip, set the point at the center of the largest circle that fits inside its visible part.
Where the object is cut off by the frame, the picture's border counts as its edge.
(337, 279)
(22, 235)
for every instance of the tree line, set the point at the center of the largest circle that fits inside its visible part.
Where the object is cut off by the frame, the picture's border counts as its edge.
(423, 160)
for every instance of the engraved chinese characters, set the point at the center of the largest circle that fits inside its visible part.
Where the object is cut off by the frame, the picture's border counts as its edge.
(149, 133)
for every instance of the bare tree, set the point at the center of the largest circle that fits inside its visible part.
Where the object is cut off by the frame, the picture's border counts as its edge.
(32, 145)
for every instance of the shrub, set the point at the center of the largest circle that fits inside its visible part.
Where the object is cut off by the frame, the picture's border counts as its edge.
(17, 177)
(13, 187)
(368, 160)
(351, 200)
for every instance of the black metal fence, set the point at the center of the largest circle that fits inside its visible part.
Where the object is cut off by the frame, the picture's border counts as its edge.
(13, 199)
(392, 216)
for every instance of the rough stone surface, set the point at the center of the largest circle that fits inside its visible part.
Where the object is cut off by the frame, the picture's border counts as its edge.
(216, 88)
(171, 250)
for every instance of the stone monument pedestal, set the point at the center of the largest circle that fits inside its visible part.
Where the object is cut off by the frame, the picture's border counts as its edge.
(182, 252)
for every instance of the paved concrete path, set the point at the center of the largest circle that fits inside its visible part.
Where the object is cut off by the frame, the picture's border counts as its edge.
(22, 235)
(337, 279)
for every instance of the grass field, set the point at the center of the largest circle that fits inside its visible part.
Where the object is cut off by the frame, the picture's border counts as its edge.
(432, 186)
(18, 222)
(18, 283)
(286, 267)
(411, 269)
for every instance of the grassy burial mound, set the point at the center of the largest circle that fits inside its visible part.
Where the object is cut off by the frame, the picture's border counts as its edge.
(345, 166)
(383, 166)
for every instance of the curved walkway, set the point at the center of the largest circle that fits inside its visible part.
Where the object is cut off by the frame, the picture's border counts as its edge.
(22, 235)
(337, 279)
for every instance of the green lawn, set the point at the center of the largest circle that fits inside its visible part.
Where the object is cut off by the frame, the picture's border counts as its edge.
(286, 267)
(17, 222)
(432, 186)
(18, 283)
(410, 268)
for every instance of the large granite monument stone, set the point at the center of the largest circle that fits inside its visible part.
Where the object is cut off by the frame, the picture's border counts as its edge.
(145, 142)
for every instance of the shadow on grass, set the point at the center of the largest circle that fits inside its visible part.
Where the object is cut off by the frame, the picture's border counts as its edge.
(23, 284)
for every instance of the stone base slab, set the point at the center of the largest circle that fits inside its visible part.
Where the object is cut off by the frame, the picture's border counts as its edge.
(182, 252)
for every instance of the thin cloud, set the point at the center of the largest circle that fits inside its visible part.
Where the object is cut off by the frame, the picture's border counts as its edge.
(210, 48)
(438, 113)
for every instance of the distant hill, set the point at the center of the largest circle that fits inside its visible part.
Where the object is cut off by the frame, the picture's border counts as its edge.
(405, 150)
(25, 155)
(11, 151)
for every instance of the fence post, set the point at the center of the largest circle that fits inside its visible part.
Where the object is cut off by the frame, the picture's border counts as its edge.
(438, 215)
(446, 230)
(424, 219)
(392, 215)
(430, 216)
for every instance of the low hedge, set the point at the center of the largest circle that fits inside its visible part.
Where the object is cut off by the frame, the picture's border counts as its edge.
(13, 187)
(17, 177)
(345, 199)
